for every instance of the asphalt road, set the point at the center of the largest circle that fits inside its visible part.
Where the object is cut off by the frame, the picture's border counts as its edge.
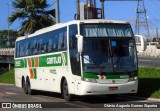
(148, 62)
(10, 93)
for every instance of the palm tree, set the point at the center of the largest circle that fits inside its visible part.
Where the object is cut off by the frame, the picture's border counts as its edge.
(33, 14)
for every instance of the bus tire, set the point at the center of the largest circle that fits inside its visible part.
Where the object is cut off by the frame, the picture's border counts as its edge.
(30, 91)
(24, 86)
(66, 95)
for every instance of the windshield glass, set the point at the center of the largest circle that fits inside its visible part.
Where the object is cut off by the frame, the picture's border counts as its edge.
(106, 30)
(124, 55)
(96, 56)
(106, 55)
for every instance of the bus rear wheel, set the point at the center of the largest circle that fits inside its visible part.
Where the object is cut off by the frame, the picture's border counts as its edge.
(29, 90)
(24, 86)
(66, 95)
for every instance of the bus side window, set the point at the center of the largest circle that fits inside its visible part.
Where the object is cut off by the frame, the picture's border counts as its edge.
(27, 49)
(55, 43)
(45, 48)
(50, 45)
(65, 40)
(23, 48)
(39, 46)
(17, 49)
(60, 42)
(34, 47)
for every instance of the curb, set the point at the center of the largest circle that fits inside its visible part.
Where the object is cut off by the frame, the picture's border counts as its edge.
(6, 84)
(141, 98)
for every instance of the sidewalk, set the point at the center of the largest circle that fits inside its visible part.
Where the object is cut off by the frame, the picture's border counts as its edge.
(6, 84)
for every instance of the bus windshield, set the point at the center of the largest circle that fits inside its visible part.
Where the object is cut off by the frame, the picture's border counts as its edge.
(106, 30)
(106, 54)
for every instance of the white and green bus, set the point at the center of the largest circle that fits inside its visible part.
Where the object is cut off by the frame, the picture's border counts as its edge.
(81, 57)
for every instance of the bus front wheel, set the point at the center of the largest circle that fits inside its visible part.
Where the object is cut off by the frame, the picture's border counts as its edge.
(66, 95)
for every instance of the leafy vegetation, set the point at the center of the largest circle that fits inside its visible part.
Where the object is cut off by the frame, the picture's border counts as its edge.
(33, 14)
(149, 82)
(7, 77)
(6, 41)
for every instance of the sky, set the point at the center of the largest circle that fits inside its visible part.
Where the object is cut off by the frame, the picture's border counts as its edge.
(116, 10)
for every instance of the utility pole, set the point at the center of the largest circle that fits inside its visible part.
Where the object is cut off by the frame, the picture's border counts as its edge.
(78, 9)
(95, 4)
(8, 17)
(141, 20)
(57, 12)
(9, 66)
(157, 33)
(102, 3)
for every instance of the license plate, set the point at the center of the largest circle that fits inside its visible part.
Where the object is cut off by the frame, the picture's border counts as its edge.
(113, 88)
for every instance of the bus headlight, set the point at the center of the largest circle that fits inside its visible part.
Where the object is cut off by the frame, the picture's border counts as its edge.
(133, 78)
(90, 80)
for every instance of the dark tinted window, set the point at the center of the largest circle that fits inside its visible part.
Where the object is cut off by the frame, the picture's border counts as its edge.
(74, 57)
(45, 43)
(106, 30)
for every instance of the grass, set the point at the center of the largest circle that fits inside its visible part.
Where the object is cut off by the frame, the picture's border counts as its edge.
(149, 72)
(149, 82)
(7, 77)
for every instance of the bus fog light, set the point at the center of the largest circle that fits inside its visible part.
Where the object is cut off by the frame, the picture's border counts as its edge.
(90, 80)
(133, 78)
(136, 78)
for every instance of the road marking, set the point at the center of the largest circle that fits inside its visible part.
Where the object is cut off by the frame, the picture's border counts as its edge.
(39, 98)
(10, 93)
(148, 61)
(145, 60)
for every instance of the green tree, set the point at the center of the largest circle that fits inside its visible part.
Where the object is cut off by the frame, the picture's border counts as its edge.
(34, 15)
(6, 41)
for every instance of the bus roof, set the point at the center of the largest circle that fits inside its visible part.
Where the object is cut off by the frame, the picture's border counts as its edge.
(60, 25)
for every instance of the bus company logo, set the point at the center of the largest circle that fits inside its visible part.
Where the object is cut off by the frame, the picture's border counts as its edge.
(6, 105)
(54, 60)
(18, 63)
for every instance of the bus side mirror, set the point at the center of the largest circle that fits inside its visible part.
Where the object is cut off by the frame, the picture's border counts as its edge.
(142, 42)
(80, 43)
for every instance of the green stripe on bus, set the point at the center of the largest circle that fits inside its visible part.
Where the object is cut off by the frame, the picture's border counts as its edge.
(108, 76)
(116, 76)
(51, 60)
(65, 54)
(19, 63)
(44, 61)
(25, 62)
(90, 75)
(35, 73)
(32, 59)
